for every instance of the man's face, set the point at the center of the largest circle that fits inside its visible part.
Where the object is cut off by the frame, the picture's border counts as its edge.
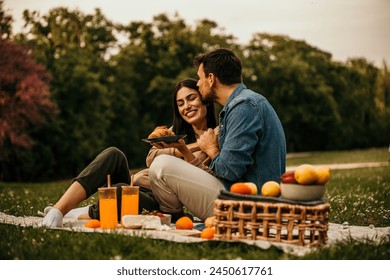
(204, 85)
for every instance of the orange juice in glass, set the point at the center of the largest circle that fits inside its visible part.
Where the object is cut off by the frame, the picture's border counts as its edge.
(130, 200)
(108, 208)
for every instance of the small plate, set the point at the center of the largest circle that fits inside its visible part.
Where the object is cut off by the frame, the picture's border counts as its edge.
(167, 139)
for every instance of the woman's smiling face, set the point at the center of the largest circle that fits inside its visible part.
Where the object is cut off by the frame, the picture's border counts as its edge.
(191, 107)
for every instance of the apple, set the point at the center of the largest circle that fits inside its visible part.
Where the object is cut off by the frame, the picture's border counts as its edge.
(289, 177)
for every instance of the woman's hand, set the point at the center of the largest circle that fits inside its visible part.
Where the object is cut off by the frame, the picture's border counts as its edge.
(180, 146)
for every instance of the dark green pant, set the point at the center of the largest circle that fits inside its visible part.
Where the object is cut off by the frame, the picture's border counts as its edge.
(112, 161)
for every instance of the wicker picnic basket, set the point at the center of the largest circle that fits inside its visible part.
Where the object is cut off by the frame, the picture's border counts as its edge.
(277, 222)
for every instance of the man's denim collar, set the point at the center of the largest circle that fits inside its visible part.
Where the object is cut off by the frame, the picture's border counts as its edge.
(234, 94)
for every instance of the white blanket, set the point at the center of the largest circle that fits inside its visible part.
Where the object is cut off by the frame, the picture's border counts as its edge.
(336, 233)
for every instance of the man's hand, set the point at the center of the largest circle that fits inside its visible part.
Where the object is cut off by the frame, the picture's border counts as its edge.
(208, 143)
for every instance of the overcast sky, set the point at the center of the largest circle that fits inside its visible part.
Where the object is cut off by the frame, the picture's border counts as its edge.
(345, 28)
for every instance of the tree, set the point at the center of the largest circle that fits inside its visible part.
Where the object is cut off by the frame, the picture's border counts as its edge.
(293, 76)
(322, 104)
(5, 23)
(362, 115)
(25, 101)
(74, 47)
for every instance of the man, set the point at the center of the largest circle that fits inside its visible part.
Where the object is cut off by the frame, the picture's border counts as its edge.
(250, 146)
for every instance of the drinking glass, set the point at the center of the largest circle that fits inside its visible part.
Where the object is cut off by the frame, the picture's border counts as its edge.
(108, 208)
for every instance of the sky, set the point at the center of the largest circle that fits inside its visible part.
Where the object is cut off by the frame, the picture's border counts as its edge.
(344, 28)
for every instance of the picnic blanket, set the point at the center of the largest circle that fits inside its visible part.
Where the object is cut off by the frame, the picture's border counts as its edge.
(336, 232)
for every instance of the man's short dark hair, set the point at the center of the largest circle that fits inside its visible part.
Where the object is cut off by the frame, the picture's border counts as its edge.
(223, 63)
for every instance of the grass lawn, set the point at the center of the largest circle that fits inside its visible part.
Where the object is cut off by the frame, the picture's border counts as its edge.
(357, 196)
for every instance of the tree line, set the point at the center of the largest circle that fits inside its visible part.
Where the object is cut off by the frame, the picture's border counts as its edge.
(72, 84)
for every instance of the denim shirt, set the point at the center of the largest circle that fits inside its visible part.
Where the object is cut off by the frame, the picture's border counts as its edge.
(251, 140)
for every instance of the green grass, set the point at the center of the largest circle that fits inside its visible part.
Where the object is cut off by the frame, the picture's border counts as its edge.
(331, 157)
(360, 196)
(357, 196)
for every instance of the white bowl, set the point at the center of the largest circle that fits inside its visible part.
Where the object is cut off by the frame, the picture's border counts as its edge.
(302, 192)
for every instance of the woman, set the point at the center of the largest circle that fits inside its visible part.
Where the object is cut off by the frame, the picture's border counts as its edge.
(191, 117)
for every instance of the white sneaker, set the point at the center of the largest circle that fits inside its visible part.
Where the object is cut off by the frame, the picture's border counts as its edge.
(75, 213)
(53, 217)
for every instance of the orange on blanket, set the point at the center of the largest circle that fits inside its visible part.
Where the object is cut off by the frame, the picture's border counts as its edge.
(207, 233)
(184, 223)
(92, 224)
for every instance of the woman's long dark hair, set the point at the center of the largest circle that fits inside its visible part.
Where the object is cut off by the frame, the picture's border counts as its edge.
(180, 126)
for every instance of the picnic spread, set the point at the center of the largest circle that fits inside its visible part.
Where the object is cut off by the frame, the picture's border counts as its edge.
(334, 233)
(292, 216)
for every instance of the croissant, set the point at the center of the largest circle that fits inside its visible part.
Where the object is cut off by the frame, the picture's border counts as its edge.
(161, 131)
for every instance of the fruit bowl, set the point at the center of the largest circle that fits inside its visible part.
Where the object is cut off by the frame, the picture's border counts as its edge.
(302, 192)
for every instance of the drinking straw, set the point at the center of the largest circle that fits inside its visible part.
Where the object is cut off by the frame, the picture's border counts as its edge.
(132, 180)
(108, 181)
